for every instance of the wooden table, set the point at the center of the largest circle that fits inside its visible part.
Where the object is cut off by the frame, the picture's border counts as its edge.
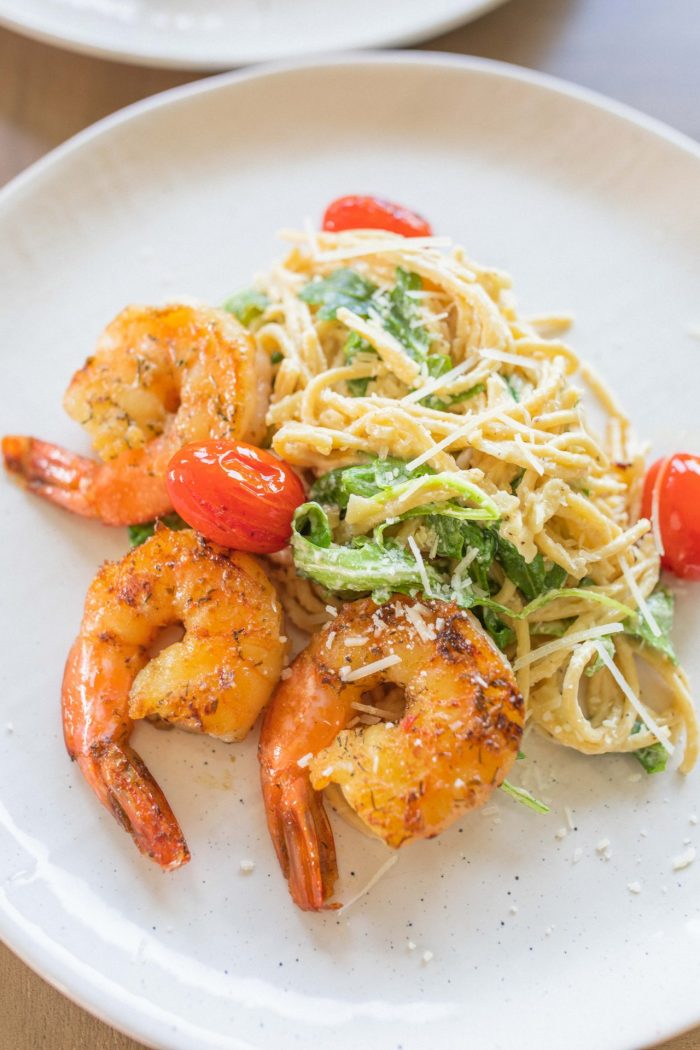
(643, 52)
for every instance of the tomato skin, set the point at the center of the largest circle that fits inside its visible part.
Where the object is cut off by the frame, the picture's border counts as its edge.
(372, 213)
(679, 511)
(235, 494)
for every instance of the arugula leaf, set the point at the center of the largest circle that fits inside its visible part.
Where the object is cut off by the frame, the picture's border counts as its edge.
(555, 577)
(314, 525)
(138, 534)
(532, 577)
(502, 635)
(440, 404)
(396, 310)
(365, 565)
(510, 383)
(529, 577)
(247, 304)
(358, 387)
(412, 498)
(455, 537)
(343, 287)
(438, 365)
(653, 758)
(524, 796)
(354, 345)
(401, 316)
(366, 479)
(661, 605)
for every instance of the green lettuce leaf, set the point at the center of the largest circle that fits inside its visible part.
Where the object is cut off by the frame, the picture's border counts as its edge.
(388, 501)
(138, 534)
(401, 318)
(502, 634)
(552, 628)
(532, 578)
(661, 605)
(343, 287)
(397, 311)
(653, 758)
(247, 304)
(355, 345)
(597, 664)
(529, 577)
(445, 404)
(362, 566)
(366, 479)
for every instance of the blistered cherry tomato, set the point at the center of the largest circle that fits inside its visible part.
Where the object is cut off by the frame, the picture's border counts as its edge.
(678, 513)
(235, 494)
(371, 213)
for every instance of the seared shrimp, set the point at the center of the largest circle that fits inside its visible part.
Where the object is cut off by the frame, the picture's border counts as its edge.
(454, 744)
(160, 377)
(215, 680)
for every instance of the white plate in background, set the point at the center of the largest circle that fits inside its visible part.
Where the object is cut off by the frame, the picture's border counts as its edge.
(220, 34)
(592, 208)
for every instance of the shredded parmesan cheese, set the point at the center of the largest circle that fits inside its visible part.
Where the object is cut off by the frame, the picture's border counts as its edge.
(511, 359)
(425, 631)
(639, 598)
(462, 565)
(567, 642)
(368, 669)
(389, 863)
(439, 383)
(370, 709)
(532, 459)
(421, 564)
(652, 725)
(684, 860)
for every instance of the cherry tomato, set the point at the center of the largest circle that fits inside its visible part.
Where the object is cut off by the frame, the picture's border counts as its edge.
(371, 213)
(235, 494)
(679, 511)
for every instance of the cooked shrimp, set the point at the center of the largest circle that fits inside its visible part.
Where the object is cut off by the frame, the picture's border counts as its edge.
(454, 744)
(160, 377)
(215, 680)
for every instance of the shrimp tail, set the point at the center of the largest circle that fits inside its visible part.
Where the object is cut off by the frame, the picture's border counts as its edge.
(49, 471)
(125, 787)
(128, 490)
(303, 840)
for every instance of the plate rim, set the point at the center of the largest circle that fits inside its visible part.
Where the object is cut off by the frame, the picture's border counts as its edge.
(559, 85)
(427, 28)
(11, 933)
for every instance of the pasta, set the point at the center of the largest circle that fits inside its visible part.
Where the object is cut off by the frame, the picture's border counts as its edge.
(501, 419)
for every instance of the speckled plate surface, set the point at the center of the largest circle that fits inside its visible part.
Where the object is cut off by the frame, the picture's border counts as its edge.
(220, 34)
(536, 939)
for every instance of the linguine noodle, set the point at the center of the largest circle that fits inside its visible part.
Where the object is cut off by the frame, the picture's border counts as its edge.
(508, 419)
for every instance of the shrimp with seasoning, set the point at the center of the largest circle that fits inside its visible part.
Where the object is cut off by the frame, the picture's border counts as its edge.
(159, 378)
(215, 680)
(455, 743)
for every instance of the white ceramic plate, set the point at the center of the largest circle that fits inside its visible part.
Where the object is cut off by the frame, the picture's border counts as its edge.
(593, 209)
(220, 34)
